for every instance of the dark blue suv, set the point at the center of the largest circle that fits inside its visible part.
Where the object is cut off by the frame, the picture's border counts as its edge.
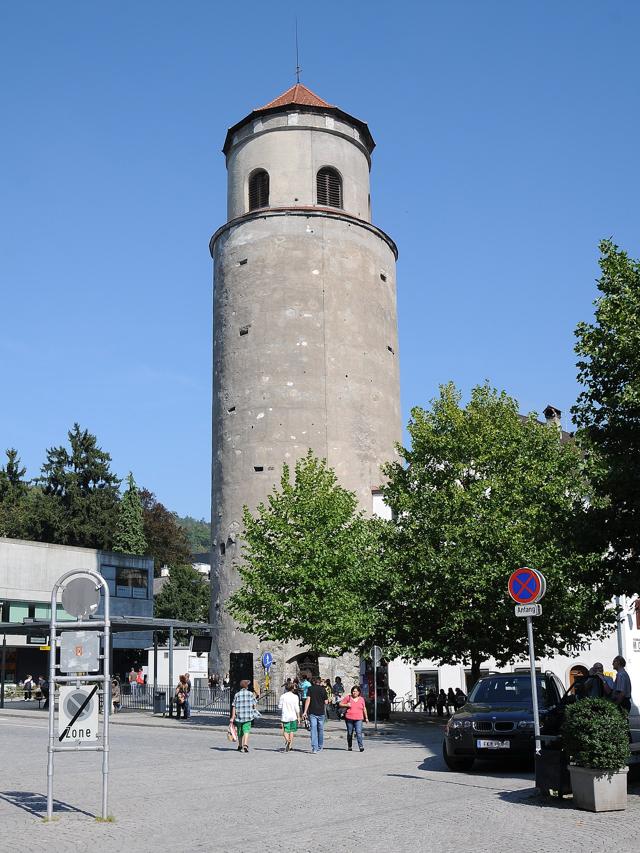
(497, 719)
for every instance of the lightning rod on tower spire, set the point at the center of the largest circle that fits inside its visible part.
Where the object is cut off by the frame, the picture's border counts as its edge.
(298, 69)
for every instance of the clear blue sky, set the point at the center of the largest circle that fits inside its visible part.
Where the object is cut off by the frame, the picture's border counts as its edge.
(507, 147)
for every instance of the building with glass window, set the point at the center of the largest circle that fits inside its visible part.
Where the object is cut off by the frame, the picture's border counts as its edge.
(305, 345)
(28, 571)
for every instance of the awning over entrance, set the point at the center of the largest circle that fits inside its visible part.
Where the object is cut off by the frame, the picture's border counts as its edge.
(119, 624)
(40, 627)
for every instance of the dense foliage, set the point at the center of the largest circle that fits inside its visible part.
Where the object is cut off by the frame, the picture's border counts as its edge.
(198, 533)
(76, 501)
(607, 414)
(185, 595)
(596, 734)
(166, 540)
(310, 567)
(129, 535)
(480, 492)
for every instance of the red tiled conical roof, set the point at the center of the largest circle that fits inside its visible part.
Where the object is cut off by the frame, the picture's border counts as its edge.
(297, 94)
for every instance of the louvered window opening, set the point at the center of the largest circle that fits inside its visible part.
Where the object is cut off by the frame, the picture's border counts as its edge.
(259, 190)
(329, 187)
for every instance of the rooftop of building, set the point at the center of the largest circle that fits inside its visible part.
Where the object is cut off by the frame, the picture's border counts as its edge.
(302, 98)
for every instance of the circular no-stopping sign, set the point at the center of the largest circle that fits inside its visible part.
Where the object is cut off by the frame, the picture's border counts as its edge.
(72, 704)
(527, 586)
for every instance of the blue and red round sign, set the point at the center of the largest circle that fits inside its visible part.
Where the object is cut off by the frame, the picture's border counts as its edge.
(526, 586)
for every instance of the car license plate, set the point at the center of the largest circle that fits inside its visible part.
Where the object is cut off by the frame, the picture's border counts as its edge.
(492, 744)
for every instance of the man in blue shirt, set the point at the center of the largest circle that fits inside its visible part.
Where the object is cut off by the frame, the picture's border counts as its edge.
(303, 689)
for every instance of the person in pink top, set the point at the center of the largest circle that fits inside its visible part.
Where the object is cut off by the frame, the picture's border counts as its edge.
(356, 714)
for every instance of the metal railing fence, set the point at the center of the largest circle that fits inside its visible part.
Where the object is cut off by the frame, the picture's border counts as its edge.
(202, 699)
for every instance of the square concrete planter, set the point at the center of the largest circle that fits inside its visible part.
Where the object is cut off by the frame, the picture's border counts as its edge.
(597, 791)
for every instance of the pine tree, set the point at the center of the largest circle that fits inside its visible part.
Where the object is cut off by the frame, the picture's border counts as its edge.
(14, 504)
(129, 535)
(81, 492)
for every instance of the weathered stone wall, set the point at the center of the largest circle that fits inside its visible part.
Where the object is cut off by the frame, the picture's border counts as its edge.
(305, 346)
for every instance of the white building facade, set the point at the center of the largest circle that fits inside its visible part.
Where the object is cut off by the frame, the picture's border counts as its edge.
(404, 677)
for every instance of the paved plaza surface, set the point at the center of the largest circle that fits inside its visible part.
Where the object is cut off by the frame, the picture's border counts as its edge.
(177, 786)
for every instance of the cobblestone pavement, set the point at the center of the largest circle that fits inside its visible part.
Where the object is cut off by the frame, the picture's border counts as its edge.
(179, 786)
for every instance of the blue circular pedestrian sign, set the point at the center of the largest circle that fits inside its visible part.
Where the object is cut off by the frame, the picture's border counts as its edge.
(267, 660)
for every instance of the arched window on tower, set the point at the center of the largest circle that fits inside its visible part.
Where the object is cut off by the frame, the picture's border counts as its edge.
(259, 189)
(329, 187)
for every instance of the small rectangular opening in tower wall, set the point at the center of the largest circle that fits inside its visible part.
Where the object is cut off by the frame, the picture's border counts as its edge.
(231, 409)
(391, 350)
(258, 468)
(222, 549)
(383, 276)
(244, 330)
(242, 262)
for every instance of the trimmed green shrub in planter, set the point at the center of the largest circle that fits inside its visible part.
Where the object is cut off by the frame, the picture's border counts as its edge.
(596, 735)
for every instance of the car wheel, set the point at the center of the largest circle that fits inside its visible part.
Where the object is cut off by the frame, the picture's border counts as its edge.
(453, 763)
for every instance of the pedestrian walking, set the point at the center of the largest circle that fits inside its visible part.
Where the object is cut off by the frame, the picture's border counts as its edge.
(133, 679)
(422, 697)
(289, 706)
(441, 702)
(43, 684)
(621, 694)
(182, 698)
(356, 714)
(243, 711)
(461, 698)
(314, 710)
(303, 688)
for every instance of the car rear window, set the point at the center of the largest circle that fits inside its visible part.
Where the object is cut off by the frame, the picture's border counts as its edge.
(498, 691)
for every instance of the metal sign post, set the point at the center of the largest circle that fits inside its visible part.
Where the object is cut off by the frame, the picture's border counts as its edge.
(526, 588)
(376, 656)
(78, 697)
(534, 686)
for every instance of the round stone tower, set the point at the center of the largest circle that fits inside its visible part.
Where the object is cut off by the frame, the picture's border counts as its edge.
(305, 349)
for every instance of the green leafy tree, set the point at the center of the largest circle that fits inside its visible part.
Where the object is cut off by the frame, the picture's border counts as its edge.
(607, 415)
(129, 534)
(185, 596)
(166, 540)
(82, 493)
(310, 567)
(481, 492)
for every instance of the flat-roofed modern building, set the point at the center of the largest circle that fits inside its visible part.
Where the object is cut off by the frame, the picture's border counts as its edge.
(28, 571)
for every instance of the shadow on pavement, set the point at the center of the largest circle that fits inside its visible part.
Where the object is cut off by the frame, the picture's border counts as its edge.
(36, 804)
